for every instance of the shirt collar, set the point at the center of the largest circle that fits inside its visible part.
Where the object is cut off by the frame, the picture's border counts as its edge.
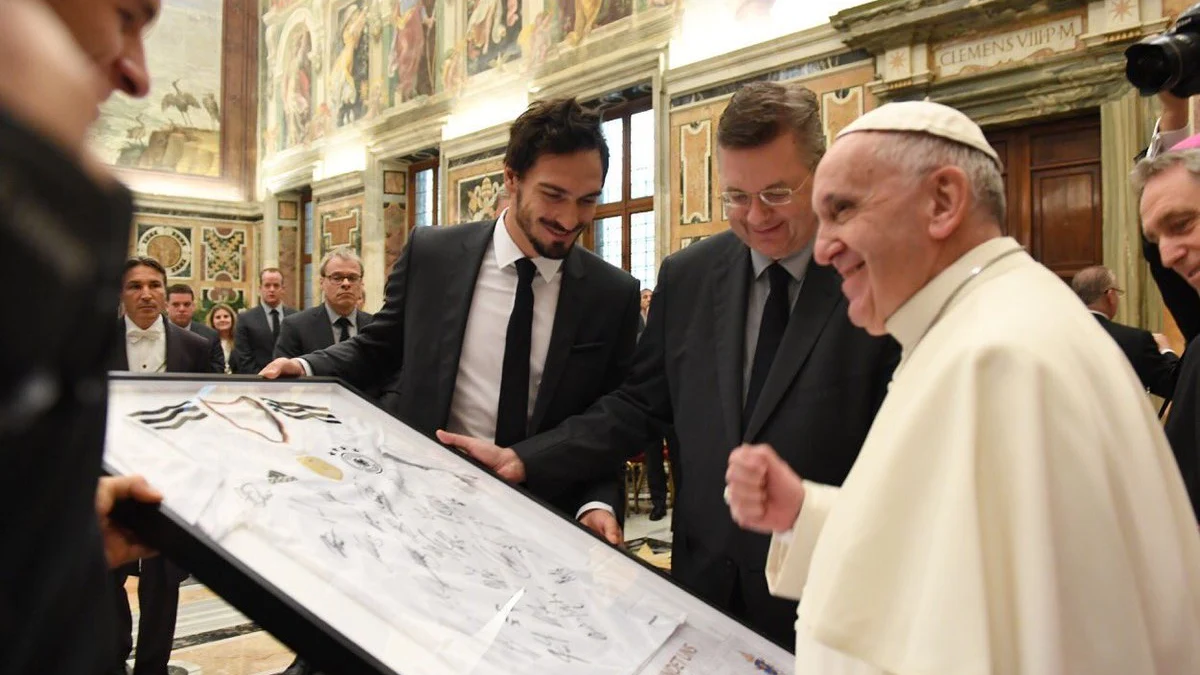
(334, 316)
(507, 252)
(796, 264)
(267, 309)
(913, 319)
(156, 327)
(1102, 315)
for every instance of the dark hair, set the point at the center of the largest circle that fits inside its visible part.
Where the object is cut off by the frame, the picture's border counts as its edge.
(760, 112)
(264, 270)
(145, 261)
(181, 288)
(554, 127)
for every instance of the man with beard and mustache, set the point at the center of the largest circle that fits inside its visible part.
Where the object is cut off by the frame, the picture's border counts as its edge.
(504, 329)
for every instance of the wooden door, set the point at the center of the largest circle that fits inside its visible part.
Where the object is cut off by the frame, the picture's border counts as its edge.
(1052, 184)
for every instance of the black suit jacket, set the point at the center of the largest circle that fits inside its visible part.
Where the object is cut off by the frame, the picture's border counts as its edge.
(817, 403)
(187, 352)
(216, 353)
(419, 335)
(1183, 423)
(55, 597)
(1157, 371)
(309, 331)
(253, 342)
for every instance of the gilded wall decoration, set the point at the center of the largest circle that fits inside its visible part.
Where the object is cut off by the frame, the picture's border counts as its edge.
(349, 64)
(234, 297)
(492, 29)
(223, 253)
(169, 245)
(339, 223)
(185, 247)
(695, 160)
(839, 108)
(289, 264)
(176, 128)
(410, 39)
(479, 197)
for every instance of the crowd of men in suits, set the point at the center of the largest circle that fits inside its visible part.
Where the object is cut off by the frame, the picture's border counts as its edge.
(747, 340)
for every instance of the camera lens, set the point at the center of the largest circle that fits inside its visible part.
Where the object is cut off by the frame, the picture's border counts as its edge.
(1152, 66)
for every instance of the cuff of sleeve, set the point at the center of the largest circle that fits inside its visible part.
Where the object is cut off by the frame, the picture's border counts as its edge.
(1165, 140)
(592, 506)
(791, 551)
(307, 368)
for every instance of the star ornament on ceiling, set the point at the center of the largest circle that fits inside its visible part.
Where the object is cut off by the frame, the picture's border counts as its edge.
(899, 60)
(1122, 9)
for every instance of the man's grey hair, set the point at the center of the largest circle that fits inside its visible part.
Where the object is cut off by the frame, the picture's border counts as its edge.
(917, 154)
(1091, 283)
(342, 253)
(1150, 167)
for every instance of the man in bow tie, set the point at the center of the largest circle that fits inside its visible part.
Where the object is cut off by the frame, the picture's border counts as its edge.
(152, 345)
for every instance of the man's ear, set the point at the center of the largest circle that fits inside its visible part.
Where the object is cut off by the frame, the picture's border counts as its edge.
(952, 200)
(510, 180)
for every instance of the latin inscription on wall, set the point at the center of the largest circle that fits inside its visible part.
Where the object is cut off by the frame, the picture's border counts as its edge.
(1026, 44)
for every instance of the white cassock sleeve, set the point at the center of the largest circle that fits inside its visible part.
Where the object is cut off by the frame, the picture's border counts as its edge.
(790, 552)
(1004, 518)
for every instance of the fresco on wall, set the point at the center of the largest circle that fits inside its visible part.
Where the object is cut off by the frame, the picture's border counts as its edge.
(492, 29)
(297, 95)
(177, 127)
(479, 197)
(577, 18)
(410, 43)
(395, 229)
(349, 69)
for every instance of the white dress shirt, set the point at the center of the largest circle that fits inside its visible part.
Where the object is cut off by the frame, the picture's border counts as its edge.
(146, 351)
(476, 398)
(333, 318)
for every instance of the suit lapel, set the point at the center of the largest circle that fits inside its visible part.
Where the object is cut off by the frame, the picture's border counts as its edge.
(731, 284)
(458, 289)
(176, 360)
(818, 297)
(571, 300)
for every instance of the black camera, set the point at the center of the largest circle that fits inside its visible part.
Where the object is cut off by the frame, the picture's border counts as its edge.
(1168, 62)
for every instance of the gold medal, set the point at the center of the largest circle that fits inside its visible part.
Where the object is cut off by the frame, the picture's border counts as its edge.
(320, 467)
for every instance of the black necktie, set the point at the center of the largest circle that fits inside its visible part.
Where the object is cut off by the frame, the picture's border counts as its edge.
(770, 334)
(512, 414)
(344, 324)
(275, 323)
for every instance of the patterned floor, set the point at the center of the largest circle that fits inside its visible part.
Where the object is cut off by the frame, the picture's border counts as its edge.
(212, 638)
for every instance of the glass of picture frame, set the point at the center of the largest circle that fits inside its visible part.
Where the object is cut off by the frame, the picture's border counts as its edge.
(370, 548)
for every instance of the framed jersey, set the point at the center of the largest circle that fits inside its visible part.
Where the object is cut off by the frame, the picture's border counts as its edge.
(369, 548)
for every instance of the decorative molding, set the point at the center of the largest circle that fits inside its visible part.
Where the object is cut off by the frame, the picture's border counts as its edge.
(290, 170)
(484, 141)
(798, 73)
(338, 186)
(888, 24)
(494, 153)
(189, 207)
(748, 64)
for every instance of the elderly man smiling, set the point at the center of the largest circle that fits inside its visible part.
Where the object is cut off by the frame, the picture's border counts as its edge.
(1015, 507)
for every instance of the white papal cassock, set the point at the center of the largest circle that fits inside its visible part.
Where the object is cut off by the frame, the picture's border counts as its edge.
(1015, 508)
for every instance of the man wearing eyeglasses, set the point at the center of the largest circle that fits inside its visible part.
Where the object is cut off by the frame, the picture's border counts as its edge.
(1152, 359)
(747, 341)
(336, 319)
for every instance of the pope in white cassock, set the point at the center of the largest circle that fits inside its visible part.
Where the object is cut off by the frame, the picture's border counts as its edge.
(1015, 507)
